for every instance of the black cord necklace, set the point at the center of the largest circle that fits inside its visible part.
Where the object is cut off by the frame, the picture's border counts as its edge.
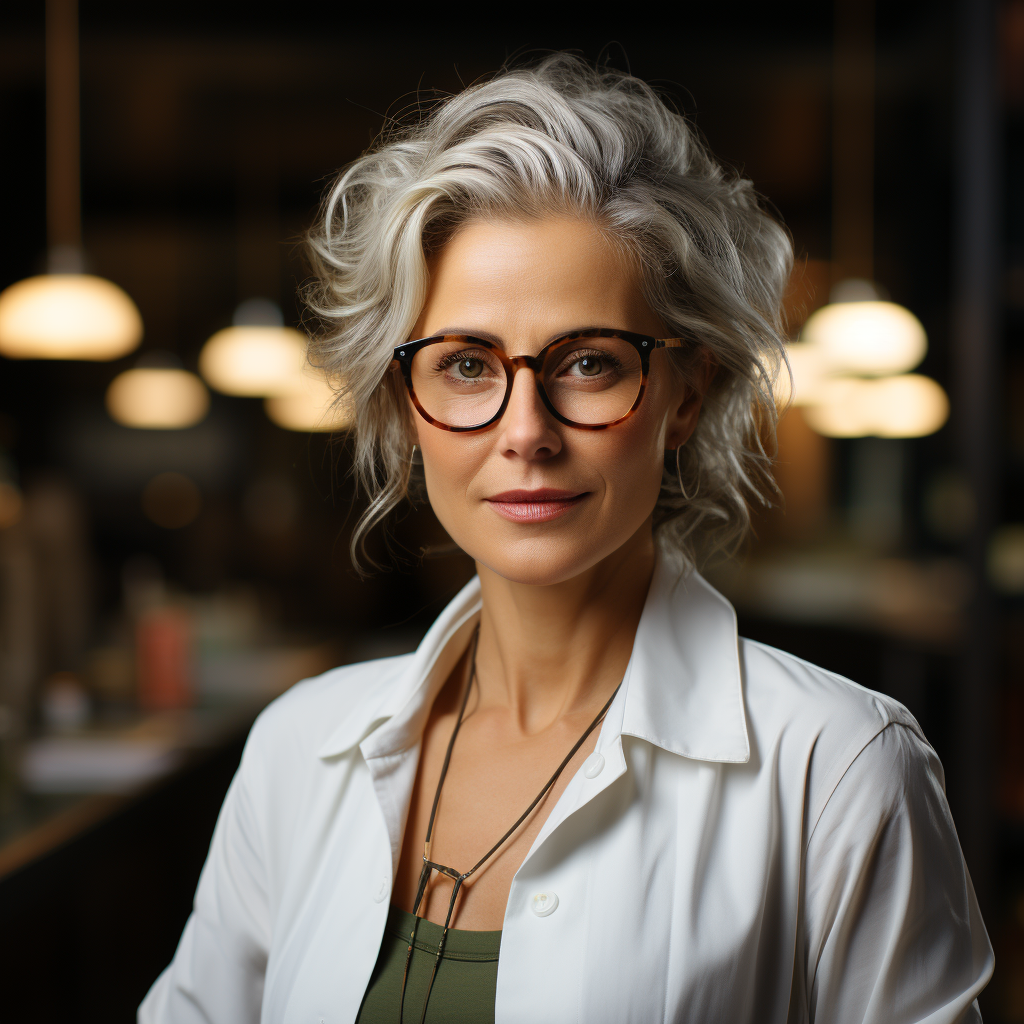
(429, 865)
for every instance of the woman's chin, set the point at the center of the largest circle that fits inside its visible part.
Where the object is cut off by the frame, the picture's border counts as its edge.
(541, 563)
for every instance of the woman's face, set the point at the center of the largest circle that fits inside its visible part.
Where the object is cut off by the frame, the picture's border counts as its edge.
(533, 500)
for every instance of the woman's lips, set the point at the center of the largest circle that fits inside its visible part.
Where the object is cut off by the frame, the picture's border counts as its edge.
(535, 506)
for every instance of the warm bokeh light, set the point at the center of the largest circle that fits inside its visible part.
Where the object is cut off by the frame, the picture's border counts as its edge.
(840, 409)
(908, 405)
(873, 338)
(1006, 558)
(950, 508)
(67, 316)
(157, 398)
(11, 504)
(172, 500)
(258, 356)
(803, 380)
(253, 359)
(312, 406)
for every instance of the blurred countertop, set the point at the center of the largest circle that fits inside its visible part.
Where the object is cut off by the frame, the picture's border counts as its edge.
(69, 782)
(919, 600)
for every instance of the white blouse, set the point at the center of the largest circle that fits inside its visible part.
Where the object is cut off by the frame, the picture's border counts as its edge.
(754, 840)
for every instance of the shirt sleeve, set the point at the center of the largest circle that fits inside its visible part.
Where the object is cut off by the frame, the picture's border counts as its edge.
(216, 976)
(893, 928)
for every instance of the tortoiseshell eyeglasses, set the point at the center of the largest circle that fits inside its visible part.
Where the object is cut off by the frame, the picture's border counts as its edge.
(590, 379)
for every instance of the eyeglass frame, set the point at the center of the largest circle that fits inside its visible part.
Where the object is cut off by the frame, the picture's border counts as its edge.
(643, 343)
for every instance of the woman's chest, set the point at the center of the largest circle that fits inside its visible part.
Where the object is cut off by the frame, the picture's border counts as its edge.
(667, 891)
(483, 820)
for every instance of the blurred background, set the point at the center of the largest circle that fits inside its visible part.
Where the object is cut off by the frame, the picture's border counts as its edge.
(174, 505)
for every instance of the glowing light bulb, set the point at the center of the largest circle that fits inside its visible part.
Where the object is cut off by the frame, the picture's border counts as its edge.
(871, 337)
(257, 355)
(807, 368)
(907, 405)
(311, 405)
(839, 409)
(252, 360)
(67, 316)
(157, 398)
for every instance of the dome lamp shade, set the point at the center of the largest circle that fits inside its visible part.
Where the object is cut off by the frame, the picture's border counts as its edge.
(873, 338)
(67, 313)
(311, 405)
(257, 355)
(67, 316)
(157, 395)
(901, 406)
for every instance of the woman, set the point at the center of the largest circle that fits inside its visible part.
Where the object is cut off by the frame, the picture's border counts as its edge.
(582, 797)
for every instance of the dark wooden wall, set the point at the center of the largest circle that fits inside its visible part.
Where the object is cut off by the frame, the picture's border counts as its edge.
(86, 930)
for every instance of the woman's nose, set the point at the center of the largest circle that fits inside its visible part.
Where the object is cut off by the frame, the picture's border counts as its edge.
(527, 429)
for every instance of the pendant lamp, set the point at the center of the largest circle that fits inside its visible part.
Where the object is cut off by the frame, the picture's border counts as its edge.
(65, 313)
(309, 405)
(157, 394)
(257, 355)
(849, 366)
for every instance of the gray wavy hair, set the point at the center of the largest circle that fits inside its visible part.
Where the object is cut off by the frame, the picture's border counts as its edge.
(561, 137)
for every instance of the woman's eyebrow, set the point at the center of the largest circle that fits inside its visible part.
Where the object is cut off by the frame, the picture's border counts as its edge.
(469, 332)
(580, 330)
(472, 332)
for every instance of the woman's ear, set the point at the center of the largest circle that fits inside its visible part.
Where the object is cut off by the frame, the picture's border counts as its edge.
(683, 417)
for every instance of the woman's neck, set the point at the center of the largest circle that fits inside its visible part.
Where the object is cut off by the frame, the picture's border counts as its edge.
(546, 652)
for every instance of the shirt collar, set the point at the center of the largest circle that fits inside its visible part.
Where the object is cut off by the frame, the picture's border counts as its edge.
(682, 689)
(404, 703)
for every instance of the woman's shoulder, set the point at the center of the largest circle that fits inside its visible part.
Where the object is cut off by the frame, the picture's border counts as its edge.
(309, 713)
(795, 687)
(817, 719)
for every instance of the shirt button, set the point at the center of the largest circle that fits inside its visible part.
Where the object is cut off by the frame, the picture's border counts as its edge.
(544, 903)
(593, 766)
(382, 892)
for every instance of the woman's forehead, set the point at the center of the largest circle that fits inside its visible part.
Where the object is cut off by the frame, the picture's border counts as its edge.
(536, 277)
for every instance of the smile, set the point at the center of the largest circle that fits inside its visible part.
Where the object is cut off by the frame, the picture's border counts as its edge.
(538, 506)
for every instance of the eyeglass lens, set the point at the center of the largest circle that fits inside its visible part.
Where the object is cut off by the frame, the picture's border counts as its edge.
(587, 380)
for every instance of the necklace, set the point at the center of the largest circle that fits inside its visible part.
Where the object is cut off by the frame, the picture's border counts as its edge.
(459, 878)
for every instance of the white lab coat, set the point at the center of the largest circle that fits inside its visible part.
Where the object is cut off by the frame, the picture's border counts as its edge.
(764, 842)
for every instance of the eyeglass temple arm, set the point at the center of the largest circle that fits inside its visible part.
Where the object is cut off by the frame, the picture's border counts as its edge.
(670, 343)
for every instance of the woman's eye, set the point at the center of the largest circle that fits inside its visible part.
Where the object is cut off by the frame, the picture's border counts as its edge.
(589, 366)
(470, 367)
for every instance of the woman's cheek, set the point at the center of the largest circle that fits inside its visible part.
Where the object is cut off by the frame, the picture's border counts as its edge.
(632, 463)
(448, 474)
(638, 492)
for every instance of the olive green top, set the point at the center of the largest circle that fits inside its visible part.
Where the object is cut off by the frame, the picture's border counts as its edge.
(464, 987)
